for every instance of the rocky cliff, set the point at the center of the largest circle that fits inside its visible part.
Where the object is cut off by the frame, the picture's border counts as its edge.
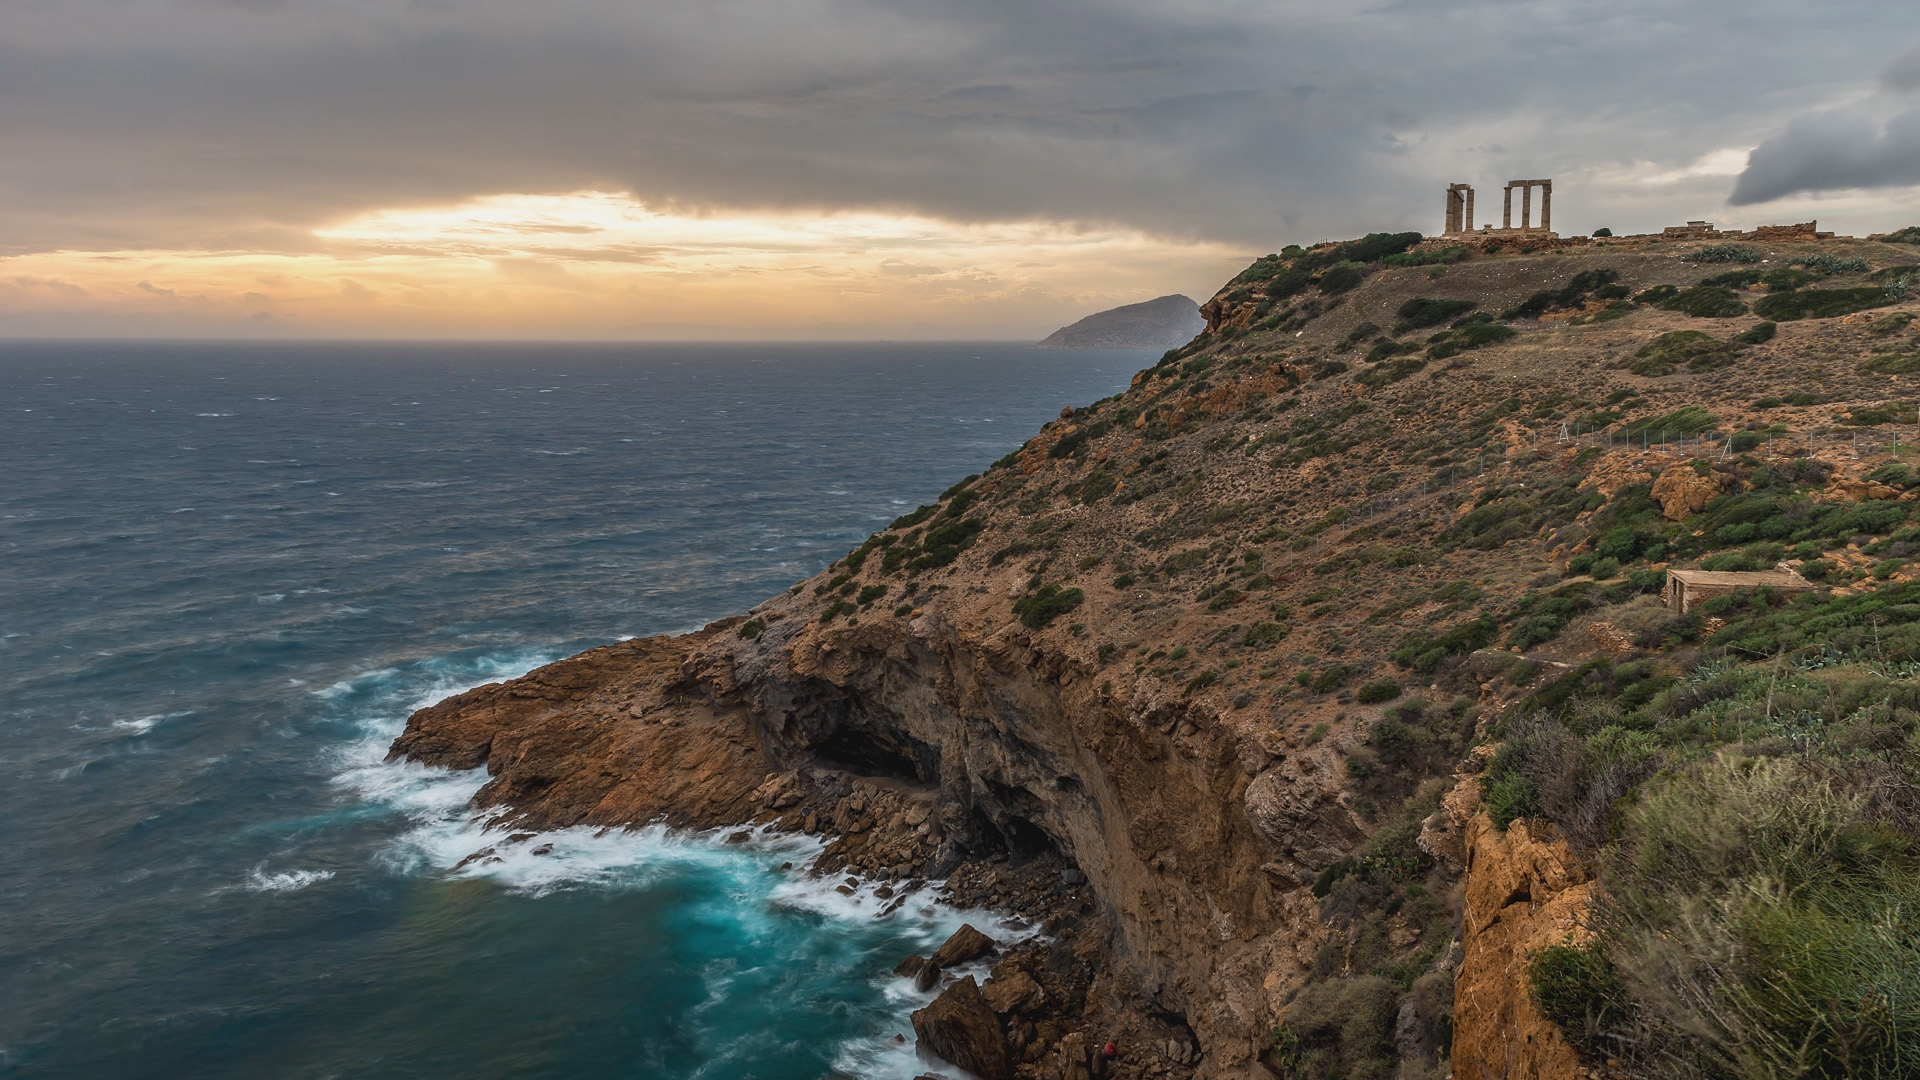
(1189, 672)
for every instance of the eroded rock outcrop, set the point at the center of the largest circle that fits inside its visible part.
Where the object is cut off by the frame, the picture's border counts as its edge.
(1524, 892)
(961, 1027)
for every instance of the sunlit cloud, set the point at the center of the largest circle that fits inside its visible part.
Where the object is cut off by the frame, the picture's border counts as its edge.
(603, 264)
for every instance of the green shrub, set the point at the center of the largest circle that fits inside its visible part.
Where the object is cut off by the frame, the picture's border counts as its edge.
(1723, 253)
(1688, 419)
(1330, 679)
(1342, 278)
(1424, 652)
(1759, 334)
(908, 521)
(1378, 691)
(1577, 989)
(869, 594)
(1689, 348)
(1587, 283)
(1390, 372)
(1820, 303)
(1605, 568)
(1451, 254)
(1470, 336)
(837, 609)
(752, 628)
(1829, 263)
(1509, 798)
(1048, 603)
(1262, 634)
(1603, 231)
(1908, 235)
(1762, 921)
(1706, 302)
(1787, 279)
(1894, 363)
(1424, 311)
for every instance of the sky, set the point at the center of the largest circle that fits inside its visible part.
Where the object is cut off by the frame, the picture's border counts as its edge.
(860, 169)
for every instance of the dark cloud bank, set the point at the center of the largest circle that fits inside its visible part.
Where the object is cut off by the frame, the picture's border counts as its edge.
(243, 123)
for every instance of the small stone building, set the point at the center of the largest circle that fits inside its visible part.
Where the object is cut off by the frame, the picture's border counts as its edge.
(1687, 588)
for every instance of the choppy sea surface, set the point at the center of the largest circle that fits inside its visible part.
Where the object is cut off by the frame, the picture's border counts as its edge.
(228, 573)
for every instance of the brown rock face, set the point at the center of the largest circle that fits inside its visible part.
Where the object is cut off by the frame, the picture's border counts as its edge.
(1524, 893)
(960, 1027)
(966, 944)
(1680, 491)
(1014, 992)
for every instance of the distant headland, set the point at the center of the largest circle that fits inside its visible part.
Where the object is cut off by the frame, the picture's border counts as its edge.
(1164, 323)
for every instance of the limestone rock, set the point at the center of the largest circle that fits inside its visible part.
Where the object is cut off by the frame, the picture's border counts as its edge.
(960, 1027)
(1845, 490)
(966, 944)
(1524, 893)
(1681, 491)
(911, 966)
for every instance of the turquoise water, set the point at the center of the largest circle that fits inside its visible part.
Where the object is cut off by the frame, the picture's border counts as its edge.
(230, 573)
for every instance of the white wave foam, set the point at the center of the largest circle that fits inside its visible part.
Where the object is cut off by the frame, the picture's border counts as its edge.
(258, 880)
(145, 724)
(270, 598)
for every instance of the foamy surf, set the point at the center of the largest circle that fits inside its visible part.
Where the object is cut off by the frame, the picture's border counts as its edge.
(258, 880)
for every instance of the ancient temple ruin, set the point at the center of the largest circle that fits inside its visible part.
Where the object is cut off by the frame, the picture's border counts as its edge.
(1460, 209)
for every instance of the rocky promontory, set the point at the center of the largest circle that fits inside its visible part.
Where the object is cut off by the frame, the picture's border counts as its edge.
(1208, 677)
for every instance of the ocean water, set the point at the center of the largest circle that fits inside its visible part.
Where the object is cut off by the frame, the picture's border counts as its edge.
(229, 572)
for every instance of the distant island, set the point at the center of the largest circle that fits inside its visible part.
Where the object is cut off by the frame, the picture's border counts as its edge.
(1165, 323)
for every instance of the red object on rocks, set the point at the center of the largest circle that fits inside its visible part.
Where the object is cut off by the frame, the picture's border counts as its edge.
(1111, 1050)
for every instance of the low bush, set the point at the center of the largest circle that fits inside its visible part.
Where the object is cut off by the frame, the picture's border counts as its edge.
(1584, 285)
(1706, 302)
(1046, 604)
(1425, 311)
(1691, 349)
(1759, 334)
(1828, 263)
(1378, 691)
(1440, 257)
(1470, 336)
(1820, 303)
(1577, 989)
(1723, 253)
(1342, 277)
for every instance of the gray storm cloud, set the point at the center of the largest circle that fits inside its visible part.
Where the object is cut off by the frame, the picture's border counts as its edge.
(1838, 149)
(246, 123)
(1832, 152)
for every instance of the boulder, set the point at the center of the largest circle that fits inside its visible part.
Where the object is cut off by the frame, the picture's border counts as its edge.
(910, 967)
(1681, 491)
(1014, 992)
(927, 977)
(965, 944)
(961, 1028)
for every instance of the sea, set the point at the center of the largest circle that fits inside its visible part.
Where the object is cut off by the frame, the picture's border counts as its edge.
(229, 571)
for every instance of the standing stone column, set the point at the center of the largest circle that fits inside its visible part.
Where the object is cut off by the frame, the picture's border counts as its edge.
(1546, 206)
(1526, 207)
(1506, 209)
(1467, 225)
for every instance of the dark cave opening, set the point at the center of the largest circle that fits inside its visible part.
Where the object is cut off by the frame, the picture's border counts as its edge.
(890, 755)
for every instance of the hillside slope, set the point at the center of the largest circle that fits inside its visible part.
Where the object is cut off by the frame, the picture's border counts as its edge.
(1209, 674)
(1162, 323)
